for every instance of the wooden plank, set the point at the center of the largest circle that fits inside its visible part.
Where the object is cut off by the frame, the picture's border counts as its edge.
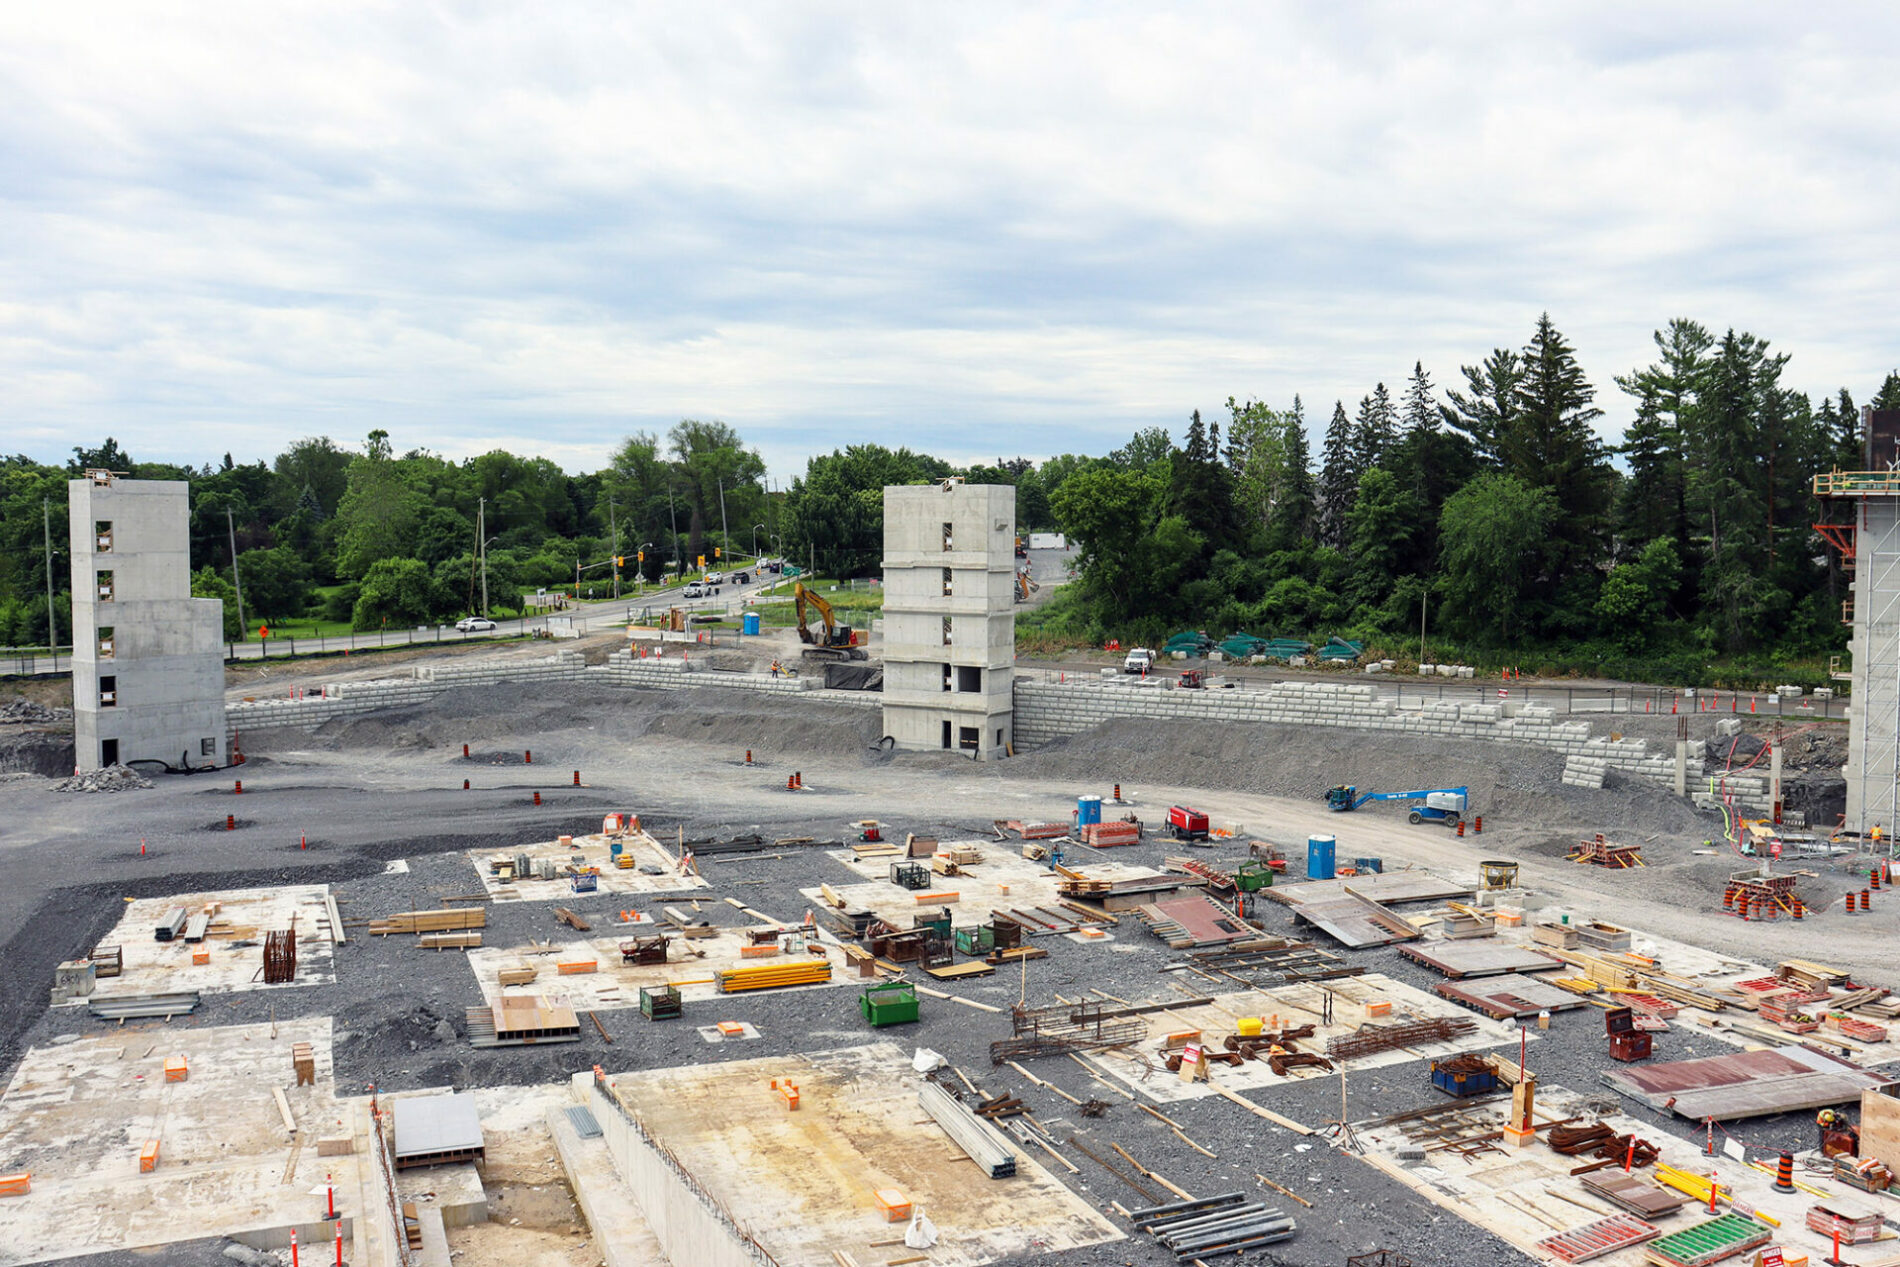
(283, 1109)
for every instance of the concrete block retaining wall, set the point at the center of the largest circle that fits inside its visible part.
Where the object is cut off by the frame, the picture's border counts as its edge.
(1047, 710)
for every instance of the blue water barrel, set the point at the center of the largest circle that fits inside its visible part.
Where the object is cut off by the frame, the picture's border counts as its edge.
(1088, 809)
(1368, 866)
(749, 624)
(1319, 857)
(613, 848)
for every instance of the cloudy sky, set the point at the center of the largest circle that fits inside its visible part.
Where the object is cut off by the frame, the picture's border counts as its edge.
(975, 229)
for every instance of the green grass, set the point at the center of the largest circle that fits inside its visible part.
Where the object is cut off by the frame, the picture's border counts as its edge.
(856, 608)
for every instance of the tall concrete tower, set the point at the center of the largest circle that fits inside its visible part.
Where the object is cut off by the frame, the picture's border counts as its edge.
(950, 616)
(1873, 726)
(148, 658)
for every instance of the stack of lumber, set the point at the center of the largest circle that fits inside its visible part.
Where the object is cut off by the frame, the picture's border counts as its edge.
(774, 976)
(430, 921)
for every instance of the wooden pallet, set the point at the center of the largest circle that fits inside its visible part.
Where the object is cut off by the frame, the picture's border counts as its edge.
(1604, 1236)
(1708, 1242)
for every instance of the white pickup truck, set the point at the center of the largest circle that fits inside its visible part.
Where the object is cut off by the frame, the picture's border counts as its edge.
(1140, 660)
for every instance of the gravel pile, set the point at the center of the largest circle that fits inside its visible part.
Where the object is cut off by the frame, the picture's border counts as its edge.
(114, 778)
(24, 712)
(1302, 762)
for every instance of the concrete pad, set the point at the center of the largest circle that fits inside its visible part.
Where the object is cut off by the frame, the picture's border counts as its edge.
(1142, 1068)
(979, 889)
(596, 849)
(1497, 1190)
(77, 1115)
(617, 985)
(800, 1182)
(236, 942)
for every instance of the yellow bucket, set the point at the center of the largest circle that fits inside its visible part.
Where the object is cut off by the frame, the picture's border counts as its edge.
(1248, 1026)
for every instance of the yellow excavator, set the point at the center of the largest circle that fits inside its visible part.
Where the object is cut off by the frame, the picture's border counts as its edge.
(837, 642)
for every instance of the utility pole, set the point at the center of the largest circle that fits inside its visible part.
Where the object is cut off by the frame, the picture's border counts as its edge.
(52, 616)
(613, 548)
(481, 549)
(725, 538)
(673, 512)
(1424, 598)
(230, 525)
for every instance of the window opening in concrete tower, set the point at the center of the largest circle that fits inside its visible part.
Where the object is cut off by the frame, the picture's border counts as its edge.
(106, 642)
(108, 692)
(946, 732)
(949, 683)
(969, 678)
(946, 631)
(946, 537)
(108, 752)
(105, 587)
(102, 529)
(968, 737)
(948, 584)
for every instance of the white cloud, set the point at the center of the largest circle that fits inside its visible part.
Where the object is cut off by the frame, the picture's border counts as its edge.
(978, 230)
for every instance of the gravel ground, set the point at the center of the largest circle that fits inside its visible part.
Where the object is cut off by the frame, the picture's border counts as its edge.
(376, 789)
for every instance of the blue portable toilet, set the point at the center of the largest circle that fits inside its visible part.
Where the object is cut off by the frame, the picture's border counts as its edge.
(1319, 857)
(1088, 810)
(749, 624)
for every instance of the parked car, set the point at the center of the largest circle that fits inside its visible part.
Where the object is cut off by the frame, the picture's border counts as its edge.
(1140, 660)
(474, 624)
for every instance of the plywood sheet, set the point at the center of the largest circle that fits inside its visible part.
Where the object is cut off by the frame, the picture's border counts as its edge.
(1480, 959)
(1510, 995)
(1746, 1084)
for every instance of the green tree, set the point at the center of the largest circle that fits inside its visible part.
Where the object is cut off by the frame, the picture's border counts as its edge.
(395, 594)
(1654, 500)
(1338, 478)
(378, 513)
(1549, 443)
(1290, 523)
(1493, 540)
(1635, 597)
(1378, 527)
(1488, 406)
(1375, 430)
(276, 583)
(208, 582)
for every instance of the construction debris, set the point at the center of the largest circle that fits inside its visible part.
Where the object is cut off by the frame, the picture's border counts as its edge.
(1606, 853)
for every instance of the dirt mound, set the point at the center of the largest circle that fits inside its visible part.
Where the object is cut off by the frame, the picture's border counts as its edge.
(114, 778)
(1302, 762)
(493, 719)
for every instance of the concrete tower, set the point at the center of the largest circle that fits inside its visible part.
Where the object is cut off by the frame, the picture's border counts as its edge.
(950, 616)
(148, 658)
(1873, 725)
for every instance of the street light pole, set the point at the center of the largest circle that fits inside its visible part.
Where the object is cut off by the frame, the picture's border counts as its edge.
(481, 535)
(755, 540)
(673, 513)
(52, 616)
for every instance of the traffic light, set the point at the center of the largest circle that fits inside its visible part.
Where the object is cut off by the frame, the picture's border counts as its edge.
(641, 556)
(718, 552)
(619, 559)
(702, 560)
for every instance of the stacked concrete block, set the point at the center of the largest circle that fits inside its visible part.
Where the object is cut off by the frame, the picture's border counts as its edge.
(565, 666)
(1046, 711)
(1584, 771)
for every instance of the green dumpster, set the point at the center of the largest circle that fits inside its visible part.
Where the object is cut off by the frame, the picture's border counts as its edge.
(893, 1003)
(1253, 877)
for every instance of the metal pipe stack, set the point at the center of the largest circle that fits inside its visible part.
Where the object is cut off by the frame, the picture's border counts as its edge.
(986, 1145)
(1210, 1226)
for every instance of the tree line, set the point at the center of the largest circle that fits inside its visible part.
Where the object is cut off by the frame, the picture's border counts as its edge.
(1492, 511)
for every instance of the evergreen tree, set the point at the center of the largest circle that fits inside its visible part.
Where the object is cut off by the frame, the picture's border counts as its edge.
(1421, 402)
(1549, 443)
(1376, 430)
(1338, 478)
(1491, 405)
(1888, 397)
(1292, 519)
(1655, 498)
(1733, 425)
(1852, 443)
